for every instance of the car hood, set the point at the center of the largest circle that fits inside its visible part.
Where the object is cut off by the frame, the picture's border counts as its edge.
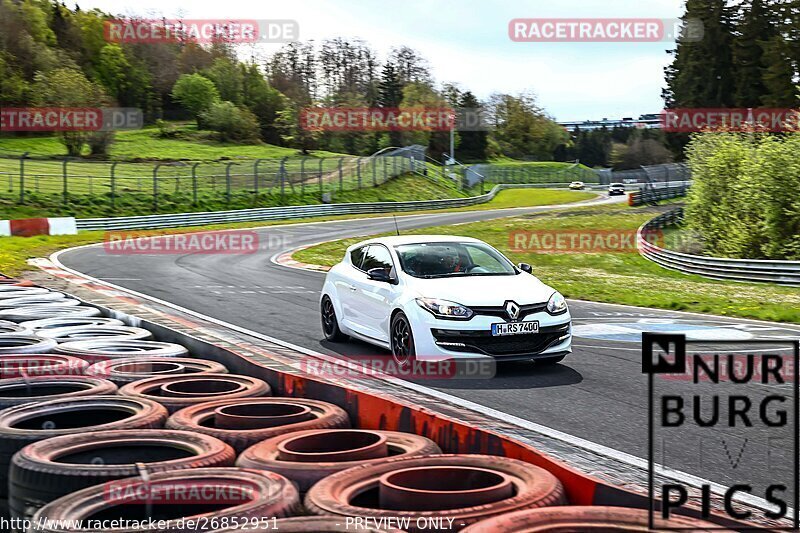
(483, 290)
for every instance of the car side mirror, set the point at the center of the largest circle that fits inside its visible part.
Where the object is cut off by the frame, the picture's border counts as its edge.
(379, 274)
(525, 267)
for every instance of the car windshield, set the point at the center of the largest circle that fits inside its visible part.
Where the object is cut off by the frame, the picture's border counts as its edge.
(451, 259)
(617, 185)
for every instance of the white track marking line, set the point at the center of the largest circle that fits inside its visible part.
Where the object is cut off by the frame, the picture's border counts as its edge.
(589, 446)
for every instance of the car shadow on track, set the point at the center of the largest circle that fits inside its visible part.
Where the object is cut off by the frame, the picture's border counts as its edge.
(514, 375)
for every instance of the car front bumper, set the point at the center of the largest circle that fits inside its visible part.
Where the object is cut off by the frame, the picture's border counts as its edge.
(435, 338)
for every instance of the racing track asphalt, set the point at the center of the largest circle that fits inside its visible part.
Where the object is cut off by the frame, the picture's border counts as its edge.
(598, 393)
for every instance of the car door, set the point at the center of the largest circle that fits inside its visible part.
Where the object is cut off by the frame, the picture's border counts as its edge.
(374, 298)
(346, 288)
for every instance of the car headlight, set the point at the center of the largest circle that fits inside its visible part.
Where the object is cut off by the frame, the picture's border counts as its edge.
(445, 309)
(556, 304)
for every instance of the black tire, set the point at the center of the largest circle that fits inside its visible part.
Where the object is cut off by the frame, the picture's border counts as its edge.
(330, 322)
(23, 424)
(401, 337)
(273, 496)
(547, 361)
(46, 470)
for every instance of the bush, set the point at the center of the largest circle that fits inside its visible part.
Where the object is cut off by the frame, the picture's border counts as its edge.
(744, 201)
(231, 122)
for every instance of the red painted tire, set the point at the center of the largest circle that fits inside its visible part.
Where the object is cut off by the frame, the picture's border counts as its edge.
(306, 457)
(31, 422)
(313, 524)
(49, 469)
(177, 392)
(272, 496)
(103, 350)
(122, 371)
(201, 418)
(10, 282)
(591, 518)
(14, 366)
(18, 391)
(503, 485)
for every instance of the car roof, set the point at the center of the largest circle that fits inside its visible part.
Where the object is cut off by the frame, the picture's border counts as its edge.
(415, 239)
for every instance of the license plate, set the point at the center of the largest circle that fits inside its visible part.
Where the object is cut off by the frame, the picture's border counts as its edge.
(515, 328)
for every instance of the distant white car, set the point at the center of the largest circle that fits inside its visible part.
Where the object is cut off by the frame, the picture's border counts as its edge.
(616, 188)
(435, 297)
(577, 185)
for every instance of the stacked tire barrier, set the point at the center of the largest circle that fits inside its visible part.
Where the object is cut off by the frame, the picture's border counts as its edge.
(125, 428)
(750, 270)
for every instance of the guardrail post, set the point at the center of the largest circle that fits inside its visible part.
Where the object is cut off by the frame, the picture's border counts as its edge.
(341, 174)
(228, 182)
(155, 186)
(64, 181)
(113, 176)
(321, 160)
(22, 177)
(282, 173)
(255, 177)
(194, 183)
(302, 177)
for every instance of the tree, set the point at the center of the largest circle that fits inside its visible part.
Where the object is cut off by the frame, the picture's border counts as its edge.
(68, 87)
(701, 74)
(231, 122)
(196, 93)
(264, 101)
(521, 129)
(112, 71)
(228, 79)
(755, 27)
(292, 132)
(474, 144)
(778, 74)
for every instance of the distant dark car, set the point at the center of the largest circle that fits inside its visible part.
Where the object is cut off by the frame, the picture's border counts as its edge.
(616, 188)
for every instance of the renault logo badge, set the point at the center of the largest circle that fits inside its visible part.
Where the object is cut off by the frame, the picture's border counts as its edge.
(512, 309)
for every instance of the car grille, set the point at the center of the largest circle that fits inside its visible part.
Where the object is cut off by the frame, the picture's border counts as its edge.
(500, 310)
(482, 341)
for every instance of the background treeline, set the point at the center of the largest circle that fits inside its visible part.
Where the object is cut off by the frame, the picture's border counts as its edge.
(53, 55)
(744, 201)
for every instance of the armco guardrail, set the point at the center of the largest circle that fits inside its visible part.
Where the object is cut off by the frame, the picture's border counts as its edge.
(649, 194)
(289, 212)
(783, 272)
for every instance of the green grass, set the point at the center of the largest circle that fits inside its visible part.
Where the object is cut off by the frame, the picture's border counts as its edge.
(131, 202)
(15, 251)
(623, 278)
(146, 144)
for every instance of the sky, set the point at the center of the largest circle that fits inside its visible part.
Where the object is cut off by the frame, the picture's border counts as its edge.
(467, 42)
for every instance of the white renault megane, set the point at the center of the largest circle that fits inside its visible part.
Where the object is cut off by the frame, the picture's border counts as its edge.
(435, 297)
